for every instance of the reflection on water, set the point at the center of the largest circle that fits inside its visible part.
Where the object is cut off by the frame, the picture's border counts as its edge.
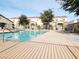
(16, 36)
(21, 35)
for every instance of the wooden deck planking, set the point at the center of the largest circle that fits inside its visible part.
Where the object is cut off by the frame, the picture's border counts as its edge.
(7, 45)
(67, 53)
(75, 50)
(38, 51)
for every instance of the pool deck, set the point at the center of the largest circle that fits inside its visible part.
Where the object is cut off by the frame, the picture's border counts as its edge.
(5, 31)
(51, 45)
(7, 44)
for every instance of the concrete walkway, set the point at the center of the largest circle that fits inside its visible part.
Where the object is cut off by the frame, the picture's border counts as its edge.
(54, 38)
(51, 45)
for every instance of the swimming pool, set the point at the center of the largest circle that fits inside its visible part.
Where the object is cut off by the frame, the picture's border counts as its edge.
(21, 35)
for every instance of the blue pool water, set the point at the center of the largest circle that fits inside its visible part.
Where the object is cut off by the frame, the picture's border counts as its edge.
(21, 35)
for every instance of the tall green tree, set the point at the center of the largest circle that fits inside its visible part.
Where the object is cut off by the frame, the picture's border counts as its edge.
(23, 21)
(71, 6)
(47, 17)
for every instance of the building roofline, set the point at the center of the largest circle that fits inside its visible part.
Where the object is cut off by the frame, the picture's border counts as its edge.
(74, 21)
(5, 18)
(33, 17)
(38, 17)
(60, 17)
(54, 17)
(14, 18)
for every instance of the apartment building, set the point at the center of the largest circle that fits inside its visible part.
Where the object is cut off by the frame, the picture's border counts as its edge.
(58, 23)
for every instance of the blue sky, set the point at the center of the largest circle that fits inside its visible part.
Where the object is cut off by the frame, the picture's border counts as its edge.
(14, 8)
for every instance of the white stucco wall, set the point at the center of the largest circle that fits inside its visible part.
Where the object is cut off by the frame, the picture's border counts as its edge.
(57, 20)
(60, 19)
(6, 21)
(15, 21)
(38, 21)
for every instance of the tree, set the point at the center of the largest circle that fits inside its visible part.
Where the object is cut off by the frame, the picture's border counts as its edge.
(71, 6)
(23, 21)
(46, 17)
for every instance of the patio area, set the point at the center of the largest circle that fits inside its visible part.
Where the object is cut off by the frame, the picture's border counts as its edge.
(51, 45)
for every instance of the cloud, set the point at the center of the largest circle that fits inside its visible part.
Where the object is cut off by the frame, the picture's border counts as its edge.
(36, 5)
(30, 7)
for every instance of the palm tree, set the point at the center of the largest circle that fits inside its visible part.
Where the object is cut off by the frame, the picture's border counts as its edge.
(71, 6)
(23, 21)
(46, 17)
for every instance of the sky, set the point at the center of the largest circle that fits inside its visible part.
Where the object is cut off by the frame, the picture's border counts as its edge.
(14, 8)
